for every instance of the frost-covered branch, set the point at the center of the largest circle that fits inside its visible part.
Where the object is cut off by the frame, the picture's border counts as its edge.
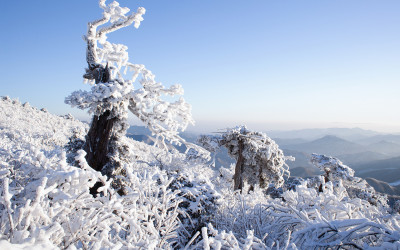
(6, 200)
(61, 212)
(310, 219)
(117, 16)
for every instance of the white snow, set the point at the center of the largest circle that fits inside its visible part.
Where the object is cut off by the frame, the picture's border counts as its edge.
(4, 244)
(46, 202)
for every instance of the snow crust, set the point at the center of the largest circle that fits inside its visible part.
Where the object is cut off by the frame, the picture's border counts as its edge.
(24, 126)
(4, 244)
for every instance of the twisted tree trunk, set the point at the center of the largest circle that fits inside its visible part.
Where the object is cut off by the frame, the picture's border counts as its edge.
(100, 132)
(97, 145)
(98, 140)
(238, 176)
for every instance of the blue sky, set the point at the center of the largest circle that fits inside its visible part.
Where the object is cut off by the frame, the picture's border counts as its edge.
(269, 64)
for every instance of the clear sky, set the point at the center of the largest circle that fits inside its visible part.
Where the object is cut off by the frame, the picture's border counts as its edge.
(267, 63)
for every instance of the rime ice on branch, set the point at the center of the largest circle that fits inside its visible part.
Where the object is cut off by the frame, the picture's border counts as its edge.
(336, 171)
(258, 158)
(113, 93)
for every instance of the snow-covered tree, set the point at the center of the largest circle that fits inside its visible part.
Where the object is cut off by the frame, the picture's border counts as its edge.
(259, 161)
(336, 171)
(113, 93)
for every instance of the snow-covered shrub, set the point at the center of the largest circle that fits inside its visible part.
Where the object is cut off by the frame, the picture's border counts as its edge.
(317, 213)
(214, 239)
(259, 161)
(46, 201)
(194, 181)
(332, 218)
(308, 218)
(336, 171)
(64, 213)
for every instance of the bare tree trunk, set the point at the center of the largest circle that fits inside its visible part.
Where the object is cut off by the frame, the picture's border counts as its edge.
(238, 176)
(99, 135)
(98, 140)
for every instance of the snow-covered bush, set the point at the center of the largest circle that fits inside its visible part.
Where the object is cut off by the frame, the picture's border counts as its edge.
(307, 218)
(193, 179)
(59, 209)
(46, 202)
(322, 216)
(214, 239)
(259, 161)
(333, 218)
(114, 93)
(336, 171)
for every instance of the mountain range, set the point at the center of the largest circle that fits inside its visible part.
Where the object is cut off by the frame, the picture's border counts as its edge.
(351, 134)
(328, 145)
(375, 157)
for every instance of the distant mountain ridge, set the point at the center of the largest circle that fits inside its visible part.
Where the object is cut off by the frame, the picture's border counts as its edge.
(383, 187)
(393, 138)
(385, 147)
(391, 163)
(328, 145)
(290, 141)
(351, 134)
(360, 158)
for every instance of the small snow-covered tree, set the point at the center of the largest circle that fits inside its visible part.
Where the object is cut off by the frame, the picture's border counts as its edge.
(113, 93)
(336, 171)
(259, 161)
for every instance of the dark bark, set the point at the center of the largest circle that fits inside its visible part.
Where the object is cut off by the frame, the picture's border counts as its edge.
(97, 73)
(238, 176)
(97, 145)
(98, 139)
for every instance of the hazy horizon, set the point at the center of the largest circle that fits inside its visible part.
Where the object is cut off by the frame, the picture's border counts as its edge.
(209, 126)
(291, 126)
(215, 126)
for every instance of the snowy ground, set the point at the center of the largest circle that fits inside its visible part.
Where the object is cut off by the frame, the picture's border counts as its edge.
(46, 204)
